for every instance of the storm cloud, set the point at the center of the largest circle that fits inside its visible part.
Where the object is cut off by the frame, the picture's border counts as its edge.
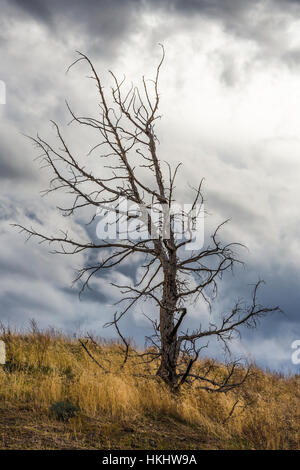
(230, 102)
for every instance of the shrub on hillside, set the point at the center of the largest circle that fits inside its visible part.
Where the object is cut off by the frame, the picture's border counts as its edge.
(64, 410)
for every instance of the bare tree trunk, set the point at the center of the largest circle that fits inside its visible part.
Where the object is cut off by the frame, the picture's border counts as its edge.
(167, 368)
(169, 347)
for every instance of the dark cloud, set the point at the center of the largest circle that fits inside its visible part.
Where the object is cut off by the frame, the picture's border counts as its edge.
(106, 8)
(36, 8)
(10, 169)
(108, 18)
(109, 21)
(215, 8)
(103, 23)
(90, 294)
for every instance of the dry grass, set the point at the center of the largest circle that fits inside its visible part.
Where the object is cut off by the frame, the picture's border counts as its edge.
(45, 367)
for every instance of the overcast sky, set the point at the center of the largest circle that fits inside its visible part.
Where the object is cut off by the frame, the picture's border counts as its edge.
(230, 99)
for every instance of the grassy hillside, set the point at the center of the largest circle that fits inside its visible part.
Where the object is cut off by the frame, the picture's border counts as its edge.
(124, 410)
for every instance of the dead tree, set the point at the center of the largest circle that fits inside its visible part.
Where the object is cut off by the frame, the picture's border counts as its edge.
(173, 276)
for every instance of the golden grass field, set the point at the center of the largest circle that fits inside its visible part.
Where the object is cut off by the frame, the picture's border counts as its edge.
(119, 410)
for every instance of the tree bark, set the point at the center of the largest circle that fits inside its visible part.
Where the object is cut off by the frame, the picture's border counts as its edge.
(169, 347)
